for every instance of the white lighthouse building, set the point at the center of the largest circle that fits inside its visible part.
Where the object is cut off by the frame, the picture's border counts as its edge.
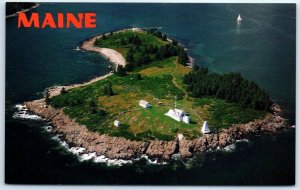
(205, 128)
(179, 115)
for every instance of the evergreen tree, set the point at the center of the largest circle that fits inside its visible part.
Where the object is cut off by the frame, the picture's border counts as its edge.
(63, 90)
(129, 67)
(136, 40)
(97, 42)
(123, 41)
(107, 89)
(121, 71)
(92, 104)
(129, 57)
(164, 37)
(230, 87)
(93, 107)
(174, 43)
(47, 98)
(138, 77)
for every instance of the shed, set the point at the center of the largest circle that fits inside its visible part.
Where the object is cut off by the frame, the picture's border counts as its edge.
(144, 104)
(117, 123)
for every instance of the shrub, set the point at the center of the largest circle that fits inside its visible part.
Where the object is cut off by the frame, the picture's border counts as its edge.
(121, 71)
(107, 89)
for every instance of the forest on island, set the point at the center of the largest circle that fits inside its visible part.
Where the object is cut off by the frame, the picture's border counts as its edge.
(231, 87)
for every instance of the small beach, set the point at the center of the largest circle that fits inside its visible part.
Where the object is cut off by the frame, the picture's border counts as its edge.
(112, 55)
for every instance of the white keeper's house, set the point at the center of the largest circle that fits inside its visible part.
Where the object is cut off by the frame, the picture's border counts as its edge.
(178, 115)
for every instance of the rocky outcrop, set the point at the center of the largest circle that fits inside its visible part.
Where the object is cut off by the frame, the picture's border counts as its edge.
(121, 148)
(161, 149)
(271, 123)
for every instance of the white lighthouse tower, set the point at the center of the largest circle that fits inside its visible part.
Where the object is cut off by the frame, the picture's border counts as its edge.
(205, 128)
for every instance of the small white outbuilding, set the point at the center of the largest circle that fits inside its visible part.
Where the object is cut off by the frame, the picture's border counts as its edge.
(117, 123)
(144, 104)
(205, 128)
(186, 117)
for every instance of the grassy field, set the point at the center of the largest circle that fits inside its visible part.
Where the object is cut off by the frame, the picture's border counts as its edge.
(161, 81)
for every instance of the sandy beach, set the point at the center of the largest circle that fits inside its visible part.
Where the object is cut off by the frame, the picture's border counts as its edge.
(113, 56)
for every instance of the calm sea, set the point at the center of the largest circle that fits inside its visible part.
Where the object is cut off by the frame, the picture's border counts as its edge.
(262, 48)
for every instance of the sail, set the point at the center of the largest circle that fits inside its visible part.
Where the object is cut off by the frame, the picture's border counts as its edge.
(239, 18)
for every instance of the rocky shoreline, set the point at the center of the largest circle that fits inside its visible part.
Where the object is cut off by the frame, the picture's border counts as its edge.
(120, 148)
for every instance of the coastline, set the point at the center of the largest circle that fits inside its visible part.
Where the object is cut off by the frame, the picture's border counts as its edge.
(112, 55)
(120, 148)
(56, 90)
(22, 11)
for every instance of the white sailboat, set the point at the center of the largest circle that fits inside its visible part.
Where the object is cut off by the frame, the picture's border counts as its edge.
(239, 18)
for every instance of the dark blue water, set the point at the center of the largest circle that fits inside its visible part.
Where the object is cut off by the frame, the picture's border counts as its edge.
(261, 48)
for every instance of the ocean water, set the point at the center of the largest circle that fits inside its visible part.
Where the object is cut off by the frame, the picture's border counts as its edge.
(261, 48)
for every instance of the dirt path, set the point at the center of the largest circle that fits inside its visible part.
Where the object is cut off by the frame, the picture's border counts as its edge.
(185, 92)
(175, 82)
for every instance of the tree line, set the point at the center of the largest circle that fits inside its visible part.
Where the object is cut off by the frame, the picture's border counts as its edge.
(139, 55)
(155, 32)
(231, 87)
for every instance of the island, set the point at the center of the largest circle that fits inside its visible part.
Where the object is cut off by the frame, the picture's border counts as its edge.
(155, 102)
